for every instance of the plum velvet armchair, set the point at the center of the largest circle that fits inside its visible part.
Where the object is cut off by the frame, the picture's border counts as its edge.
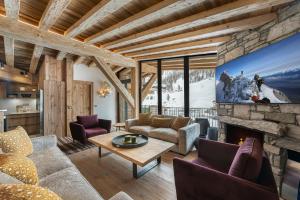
(211, 176)
(89, 126)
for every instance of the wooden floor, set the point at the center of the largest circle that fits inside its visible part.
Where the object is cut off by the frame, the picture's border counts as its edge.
(112, 174)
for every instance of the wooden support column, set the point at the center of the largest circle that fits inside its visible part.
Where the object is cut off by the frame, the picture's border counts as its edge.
(148, 86)
(111, 76)
(69, 92)
(134, 89)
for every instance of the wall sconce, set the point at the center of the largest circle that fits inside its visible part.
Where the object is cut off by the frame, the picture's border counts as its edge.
(104, 89)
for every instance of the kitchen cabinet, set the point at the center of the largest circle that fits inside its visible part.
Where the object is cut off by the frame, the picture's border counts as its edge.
(16, 90)
(29, 121)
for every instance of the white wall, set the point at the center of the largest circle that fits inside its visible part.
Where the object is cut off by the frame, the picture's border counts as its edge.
(104, 107)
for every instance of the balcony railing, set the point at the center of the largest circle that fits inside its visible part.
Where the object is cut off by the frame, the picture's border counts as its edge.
(208, 113)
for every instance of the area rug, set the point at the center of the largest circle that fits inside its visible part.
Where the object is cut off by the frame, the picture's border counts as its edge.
(68, 146)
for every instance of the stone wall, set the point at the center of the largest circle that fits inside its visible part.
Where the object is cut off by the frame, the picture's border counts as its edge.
(286, 115)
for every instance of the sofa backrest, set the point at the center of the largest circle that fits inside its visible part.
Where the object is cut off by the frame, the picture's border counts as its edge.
(90, 121)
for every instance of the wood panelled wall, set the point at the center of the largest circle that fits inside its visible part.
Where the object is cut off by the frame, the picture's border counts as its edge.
(52, 81)
(64, 98)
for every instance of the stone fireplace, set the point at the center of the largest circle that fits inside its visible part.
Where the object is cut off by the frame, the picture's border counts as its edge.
(277, 129)
(279, 124)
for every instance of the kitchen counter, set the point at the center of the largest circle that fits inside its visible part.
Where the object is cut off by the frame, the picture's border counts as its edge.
(30, 121)
(22, 113)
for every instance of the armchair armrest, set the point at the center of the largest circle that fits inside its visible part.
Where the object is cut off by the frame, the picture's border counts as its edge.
(187, 136)
(197, 182)
(131, 122)
(121, 196)
(106, 124)
(44, 142)
(218, 152)
(78, 132)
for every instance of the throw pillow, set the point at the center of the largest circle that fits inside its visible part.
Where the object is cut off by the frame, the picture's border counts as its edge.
(26, 192)
(19, 167)
(16, 141)
(144, 119)
(161, 122)
(88, 121)
(248, 160)
(180, 122)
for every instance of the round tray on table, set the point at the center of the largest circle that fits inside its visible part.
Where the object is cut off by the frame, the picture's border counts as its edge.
(118, 141)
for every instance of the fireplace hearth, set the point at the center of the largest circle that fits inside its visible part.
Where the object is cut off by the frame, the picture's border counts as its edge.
(237, 134)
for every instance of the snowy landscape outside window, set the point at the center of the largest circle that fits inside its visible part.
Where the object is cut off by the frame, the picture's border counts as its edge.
(201, 88)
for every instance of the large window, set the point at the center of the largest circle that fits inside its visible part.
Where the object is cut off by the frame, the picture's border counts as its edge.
(172, 87)
(149, 93)
(180, 86)
(202, 88)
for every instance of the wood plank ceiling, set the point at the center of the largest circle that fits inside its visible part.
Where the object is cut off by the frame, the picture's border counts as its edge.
(136, 29)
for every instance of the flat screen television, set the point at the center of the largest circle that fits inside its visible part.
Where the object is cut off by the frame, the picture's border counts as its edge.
(268, 75)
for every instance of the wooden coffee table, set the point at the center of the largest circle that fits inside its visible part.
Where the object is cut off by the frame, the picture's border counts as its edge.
(141, 156)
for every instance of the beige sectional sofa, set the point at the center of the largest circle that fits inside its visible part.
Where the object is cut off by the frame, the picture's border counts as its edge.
(183, 137)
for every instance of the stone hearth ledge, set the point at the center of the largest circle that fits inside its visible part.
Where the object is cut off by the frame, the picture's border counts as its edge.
(274, 128)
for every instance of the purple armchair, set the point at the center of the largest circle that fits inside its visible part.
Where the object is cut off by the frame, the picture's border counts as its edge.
(89, 126)
(225, 171)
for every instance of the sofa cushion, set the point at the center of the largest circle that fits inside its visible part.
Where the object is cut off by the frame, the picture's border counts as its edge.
(248, 160)
(141, 129)
(70, 184)
(180, 122)
(91, 132)
(50, 161)
(19, 167)
(161, 122)
(16, 141)
(26, 192)
(166, 134)
(88, 121)
(145, 119)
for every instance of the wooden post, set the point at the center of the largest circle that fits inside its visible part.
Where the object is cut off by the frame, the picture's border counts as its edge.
(69, 92)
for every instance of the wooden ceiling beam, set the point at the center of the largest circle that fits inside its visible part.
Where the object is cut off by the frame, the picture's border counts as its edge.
(114, 80)
(12, 8)
(9, 51)
(183, 46)
(190, 63)
(117, 69)
(79, 60)
(37, 52)
(206, 50)
(161, 9)
(61, 55)
(103, 9)
(31, 34)
(53, 11)
(206, 17)
(213, 31)
(148, 86)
